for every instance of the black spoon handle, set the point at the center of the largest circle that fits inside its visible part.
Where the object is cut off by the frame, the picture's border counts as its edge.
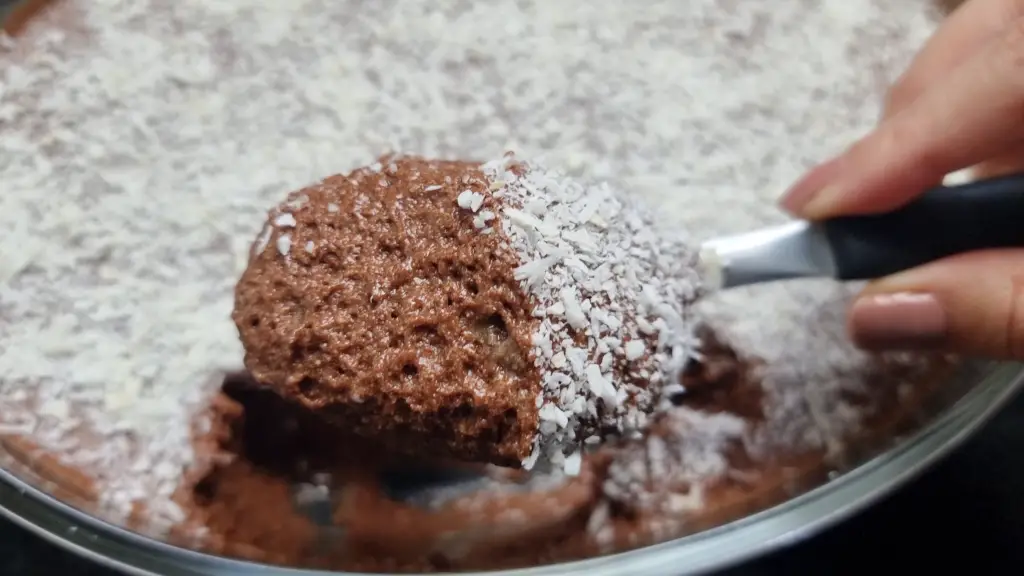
(942, 222)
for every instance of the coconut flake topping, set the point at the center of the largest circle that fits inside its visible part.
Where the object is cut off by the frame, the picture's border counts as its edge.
(599, 270)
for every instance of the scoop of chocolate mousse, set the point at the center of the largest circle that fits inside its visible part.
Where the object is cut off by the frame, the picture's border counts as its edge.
(495, 313)
(373, 299)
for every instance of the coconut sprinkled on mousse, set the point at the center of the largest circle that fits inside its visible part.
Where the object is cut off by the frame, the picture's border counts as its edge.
(610, 288)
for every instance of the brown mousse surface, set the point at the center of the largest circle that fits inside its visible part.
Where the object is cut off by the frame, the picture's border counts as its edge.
(372, 300)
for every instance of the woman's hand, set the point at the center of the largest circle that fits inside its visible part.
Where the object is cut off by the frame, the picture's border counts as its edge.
(960, 105)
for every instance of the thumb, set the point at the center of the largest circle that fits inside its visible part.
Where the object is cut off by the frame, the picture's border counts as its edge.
(971, 304)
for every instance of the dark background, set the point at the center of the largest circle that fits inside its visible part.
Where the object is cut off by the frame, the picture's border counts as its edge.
(968, 511)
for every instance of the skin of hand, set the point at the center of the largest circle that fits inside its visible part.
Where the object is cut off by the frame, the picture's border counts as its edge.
(959, 105)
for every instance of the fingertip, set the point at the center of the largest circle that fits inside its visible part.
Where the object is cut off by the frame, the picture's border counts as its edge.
(825, 203)
(794, 200)
(876, 174)
(805, 192)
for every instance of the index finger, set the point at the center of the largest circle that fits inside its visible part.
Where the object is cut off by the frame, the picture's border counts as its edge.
(975, 113)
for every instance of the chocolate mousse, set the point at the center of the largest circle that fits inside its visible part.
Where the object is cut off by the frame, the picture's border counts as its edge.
(498, 313)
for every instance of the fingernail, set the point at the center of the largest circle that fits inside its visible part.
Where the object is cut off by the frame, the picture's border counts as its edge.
(899, 321)
(809, 189)
(794, 200)
(821, 204)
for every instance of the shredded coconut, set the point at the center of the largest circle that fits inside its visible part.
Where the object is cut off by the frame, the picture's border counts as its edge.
(594, 282)
(666, 471)
(285, 220)
(471, 200)
(284, 244)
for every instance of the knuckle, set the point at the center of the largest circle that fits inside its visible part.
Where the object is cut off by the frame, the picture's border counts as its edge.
(885, 141)
(899, 137)
(901, 94)
(919, 149)
(904, 144)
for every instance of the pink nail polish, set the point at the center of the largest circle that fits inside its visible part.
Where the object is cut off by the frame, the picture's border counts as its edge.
(804, 191)
(900, 321)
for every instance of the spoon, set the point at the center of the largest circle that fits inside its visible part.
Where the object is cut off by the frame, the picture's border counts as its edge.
(942, 222)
